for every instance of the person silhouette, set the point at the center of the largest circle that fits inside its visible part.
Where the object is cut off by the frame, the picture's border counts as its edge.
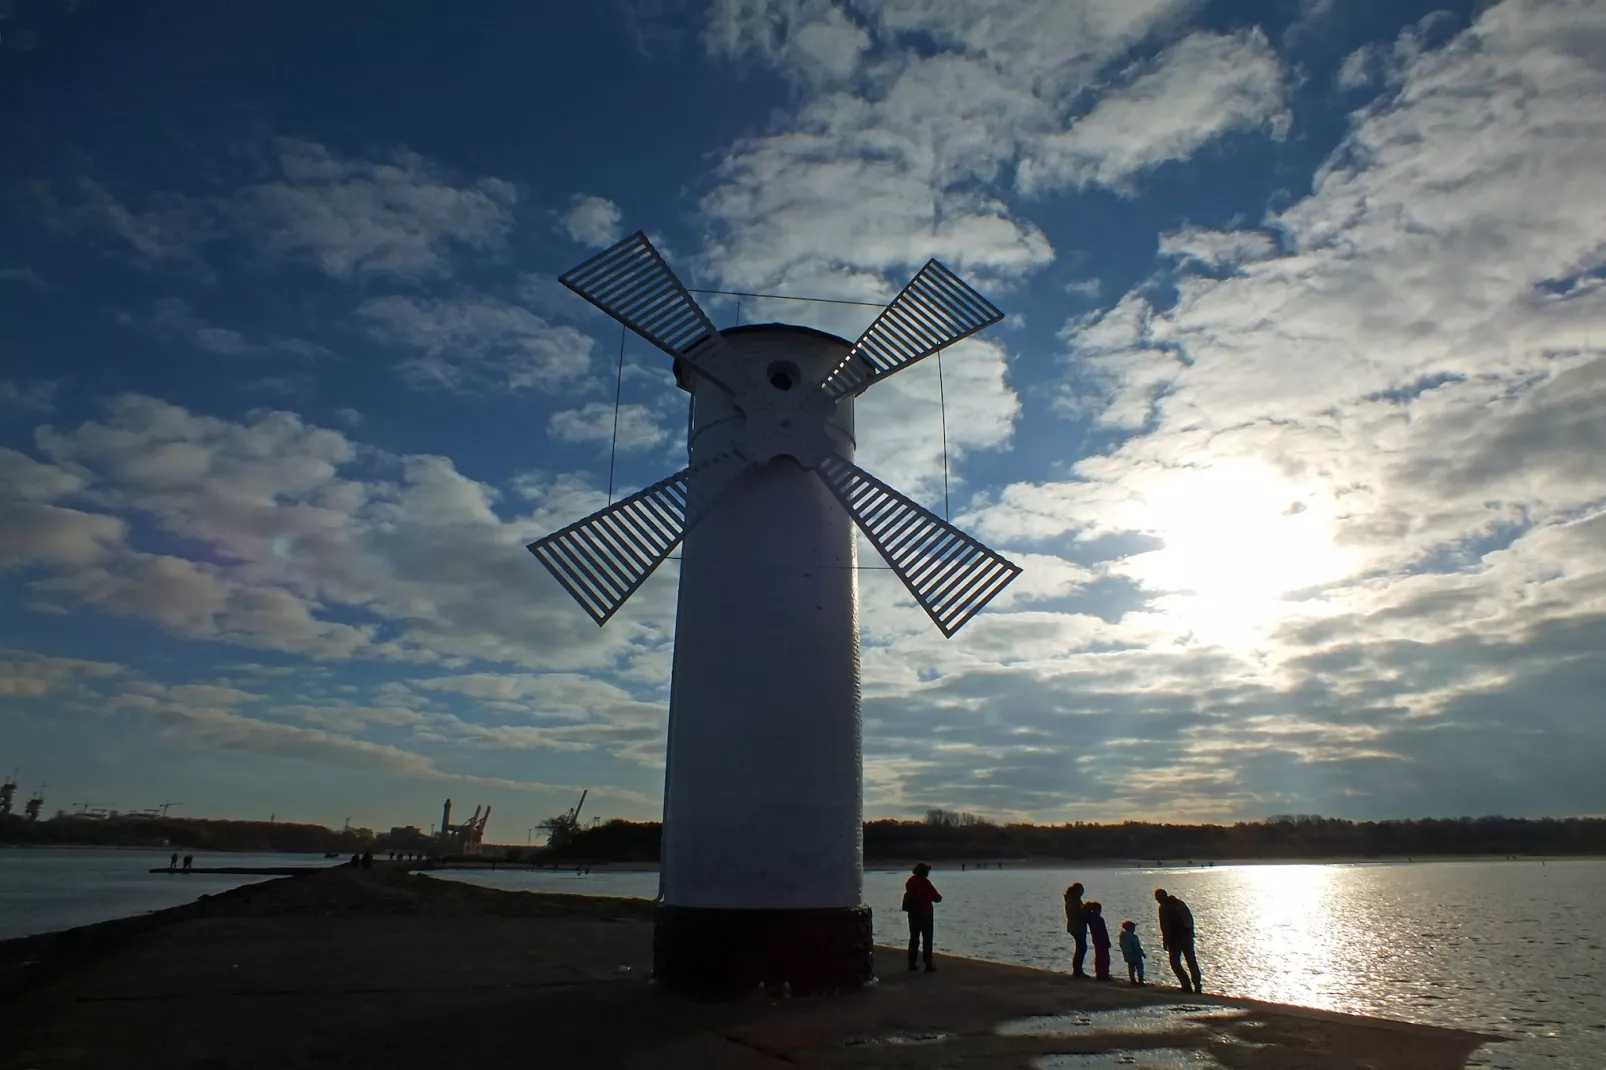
(1076, 925)
(172, 863)
(918, 896)
(1176, 936)
(189, 860)
(1100, 934)
(1132, 952)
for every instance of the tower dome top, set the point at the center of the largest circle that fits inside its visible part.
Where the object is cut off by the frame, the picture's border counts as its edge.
(751, 328)
(682, 380)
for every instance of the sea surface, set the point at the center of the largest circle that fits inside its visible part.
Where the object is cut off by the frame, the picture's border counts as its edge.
(1513, 948)
(47, 888)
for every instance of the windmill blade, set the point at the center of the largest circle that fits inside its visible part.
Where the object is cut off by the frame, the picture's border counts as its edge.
(631, 283)
(935, 310)
(603, 559)
(950, 574)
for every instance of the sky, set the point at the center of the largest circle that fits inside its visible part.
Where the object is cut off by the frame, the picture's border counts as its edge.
(1295, 423)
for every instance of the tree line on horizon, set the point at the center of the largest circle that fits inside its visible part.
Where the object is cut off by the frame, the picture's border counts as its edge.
(183, 834)
(941, 834)
(946, 834)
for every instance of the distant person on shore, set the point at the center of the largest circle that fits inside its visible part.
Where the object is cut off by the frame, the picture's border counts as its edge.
(1100, 934)
(1076, 925)
(919, 895)
(1132, 951)
(1176, 937)
(172, 863)
(189, 860)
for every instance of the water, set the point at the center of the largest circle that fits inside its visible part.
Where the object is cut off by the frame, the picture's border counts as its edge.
(48, 888)
(1511, 948)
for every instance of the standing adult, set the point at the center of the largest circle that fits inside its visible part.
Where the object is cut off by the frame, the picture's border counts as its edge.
(919, 895)
(1176, 936)
(1076, 925)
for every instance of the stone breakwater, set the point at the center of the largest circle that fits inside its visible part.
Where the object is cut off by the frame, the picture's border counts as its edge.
(390, 970)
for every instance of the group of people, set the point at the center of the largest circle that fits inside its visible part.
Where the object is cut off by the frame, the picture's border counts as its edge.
(172, 863)
(1084, 919)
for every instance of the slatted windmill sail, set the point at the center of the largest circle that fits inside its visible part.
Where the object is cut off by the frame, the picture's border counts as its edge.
(762, 867)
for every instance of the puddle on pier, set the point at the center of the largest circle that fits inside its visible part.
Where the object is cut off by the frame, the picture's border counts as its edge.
(1164, 1018)
(898, 1040)
(1150, 1059)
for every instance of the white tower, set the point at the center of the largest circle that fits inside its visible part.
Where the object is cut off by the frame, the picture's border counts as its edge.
(763, 811)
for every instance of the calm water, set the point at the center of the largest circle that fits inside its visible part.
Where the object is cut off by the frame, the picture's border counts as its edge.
(48, 888)
(1513, 948)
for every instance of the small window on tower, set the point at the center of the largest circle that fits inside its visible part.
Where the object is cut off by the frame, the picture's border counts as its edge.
(783, 375)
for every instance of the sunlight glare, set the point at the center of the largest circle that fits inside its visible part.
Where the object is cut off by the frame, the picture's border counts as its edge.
(1238, 538)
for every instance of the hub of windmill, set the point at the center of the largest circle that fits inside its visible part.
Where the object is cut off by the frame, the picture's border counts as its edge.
(774, 391)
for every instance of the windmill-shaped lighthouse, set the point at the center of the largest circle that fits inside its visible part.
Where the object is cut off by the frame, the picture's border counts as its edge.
(763, 803)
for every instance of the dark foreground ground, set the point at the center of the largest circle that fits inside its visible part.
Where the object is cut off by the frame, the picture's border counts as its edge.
(387, 970)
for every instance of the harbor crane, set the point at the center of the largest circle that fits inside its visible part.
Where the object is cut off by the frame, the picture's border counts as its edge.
(560, 830)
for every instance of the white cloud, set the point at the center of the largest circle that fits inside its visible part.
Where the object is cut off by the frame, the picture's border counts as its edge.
(883, 163)
(23, 276)
(175, 316)
(397, 216)
(166, 228)
(638, 426)
(35, 396)
(1204, 86)
(298, 540)
(1217, 250)
(592, 220)
(25, 674)
(478, 343)
(899, 423)
(1358, 490)
(813, 40)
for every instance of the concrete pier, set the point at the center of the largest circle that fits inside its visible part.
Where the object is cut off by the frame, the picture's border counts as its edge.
(385, 969)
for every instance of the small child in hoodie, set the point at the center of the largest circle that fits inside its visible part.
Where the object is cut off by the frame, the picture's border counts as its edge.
(1132, 951)
(1099, 936)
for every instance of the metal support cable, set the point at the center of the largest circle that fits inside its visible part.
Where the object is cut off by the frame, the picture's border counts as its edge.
(618, 393)
(942, 406)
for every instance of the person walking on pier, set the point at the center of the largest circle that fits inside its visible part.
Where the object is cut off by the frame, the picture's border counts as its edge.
(189, 860)
(1100, 934)
(172, 863)
(919, 895)
(1076, 925)
(1176, 936)
(1132, 951)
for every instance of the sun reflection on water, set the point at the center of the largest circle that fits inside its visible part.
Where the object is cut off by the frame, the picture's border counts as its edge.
(1301, 938)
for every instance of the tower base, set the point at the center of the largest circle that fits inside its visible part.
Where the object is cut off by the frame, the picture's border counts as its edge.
(716, 953)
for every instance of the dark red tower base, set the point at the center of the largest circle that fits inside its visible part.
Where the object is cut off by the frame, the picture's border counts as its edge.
(721, 954)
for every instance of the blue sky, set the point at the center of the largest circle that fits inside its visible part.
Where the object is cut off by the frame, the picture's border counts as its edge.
(1294, 422)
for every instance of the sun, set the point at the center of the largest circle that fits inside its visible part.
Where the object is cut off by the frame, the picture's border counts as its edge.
(1239, 538)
